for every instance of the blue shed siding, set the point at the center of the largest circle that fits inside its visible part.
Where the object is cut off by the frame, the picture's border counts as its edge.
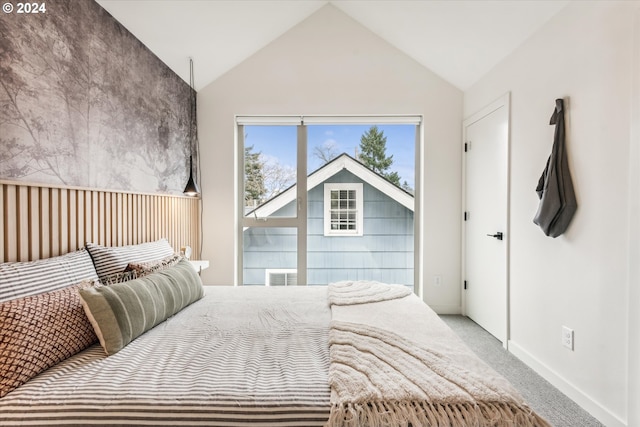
(268, 248)
(384, 252)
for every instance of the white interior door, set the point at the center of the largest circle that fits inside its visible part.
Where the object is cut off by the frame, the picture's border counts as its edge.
(486, 229)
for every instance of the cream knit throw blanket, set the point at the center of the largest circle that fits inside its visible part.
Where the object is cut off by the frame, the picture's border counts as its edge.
(362, 292)
(394, 363)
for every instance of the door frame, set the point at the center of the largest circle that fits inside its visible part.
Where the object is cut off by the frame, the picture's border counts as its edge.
(503, 101)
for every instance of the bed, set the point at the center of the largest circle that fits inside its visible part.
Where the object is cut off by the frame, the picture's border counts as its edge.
(348, 354)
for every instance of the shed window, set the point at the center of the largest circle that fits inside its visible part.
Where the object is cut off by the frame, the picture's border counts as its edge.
(343, 211)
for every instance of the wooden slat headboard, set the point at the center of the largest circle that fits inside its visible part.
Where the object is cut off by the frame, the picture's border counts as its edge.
(40, 221)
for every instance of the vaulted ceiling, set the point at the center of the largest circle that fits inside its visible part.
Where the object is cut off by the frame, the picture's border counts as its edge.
(458, 40)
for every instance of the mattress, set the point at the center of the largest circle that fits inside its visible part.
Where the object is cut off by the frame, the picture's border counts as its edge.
(241, 356)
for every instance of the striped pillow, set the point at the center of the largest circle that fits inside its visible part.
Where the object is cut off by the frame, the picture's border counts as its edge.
(121, 312)
(114, 259)
(39, 331)
(20, 279)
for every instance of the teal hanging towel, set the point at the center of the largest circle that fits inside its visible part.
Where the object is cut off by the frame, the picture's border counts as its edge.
(555, 188)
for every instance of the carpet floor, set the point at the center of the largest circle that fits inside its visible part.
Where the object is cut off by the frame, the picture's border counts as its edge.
(543, 397)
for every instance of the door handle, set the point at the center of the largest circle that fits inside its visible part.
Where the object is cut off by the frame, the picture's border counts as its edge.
(498, 235)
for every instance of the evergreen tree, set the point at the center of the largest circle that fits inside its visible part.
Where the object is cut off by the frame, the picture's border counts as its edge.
(373, 153)
(254, 188)
(406, 187)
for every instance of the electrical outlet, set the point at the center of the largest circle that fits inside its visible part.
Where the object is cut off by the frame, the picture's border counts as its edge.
(437, 280)
(567, 337)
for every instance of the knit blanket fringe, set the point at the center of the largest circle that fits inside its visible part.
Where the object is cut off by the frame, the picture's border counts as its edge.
(425, 414)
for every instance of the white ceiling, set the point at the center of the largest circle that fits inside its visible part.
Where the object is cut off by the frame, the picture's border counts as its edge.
(458, 40)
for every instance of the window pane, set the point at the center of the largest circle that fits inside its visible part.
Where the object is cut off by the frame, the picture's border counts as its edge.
(382, 246)
(270, 256)
(270, 170)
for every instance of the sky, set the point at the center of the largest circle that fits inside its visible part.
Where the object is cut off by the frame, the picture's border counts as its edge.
(278, 143)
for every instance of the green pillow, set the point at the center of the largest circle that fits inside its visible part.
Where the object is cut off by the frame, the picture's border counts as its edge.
(121, 312)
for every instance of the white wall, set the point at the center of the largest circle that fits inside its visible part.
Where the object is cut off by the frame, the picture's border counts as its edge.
(330, 64)
(581, 279)
(634, 236)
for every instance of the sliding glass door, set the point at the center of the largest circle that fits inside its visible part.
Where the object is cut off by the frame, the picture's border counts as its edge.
(326, 199)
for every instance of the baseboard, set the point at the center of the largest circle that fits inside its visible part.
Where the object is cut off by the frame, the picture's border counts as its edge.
(596, 410)
(446, 309)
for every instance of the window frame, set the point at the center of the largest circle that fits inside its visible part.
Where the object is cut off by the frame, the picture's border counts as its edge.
(339, 186)
(241, 222)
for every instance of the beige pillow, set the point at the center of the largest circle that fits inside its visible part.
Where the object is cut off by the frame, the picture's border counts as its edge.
(142, 268)
(118, 278)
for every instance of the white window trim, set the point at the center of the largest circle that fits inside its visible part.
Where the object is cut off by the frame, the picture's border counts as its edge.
(269, 271)
(358, 187)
